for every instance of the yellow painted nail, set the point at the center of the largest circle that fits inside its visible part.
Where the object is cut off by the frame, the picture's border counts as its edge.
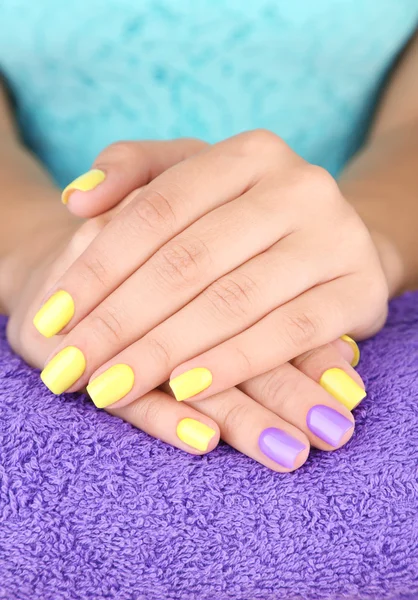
(54, 314)
(86, 182)
(64, 370)
(190, 383)
(355, 348)
(195, 434)
(344, 389)
(111, 386)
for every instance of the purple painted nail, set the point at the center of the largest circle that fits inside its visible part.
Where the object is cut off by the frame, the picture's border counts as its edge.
(328, 424)
(280, 446)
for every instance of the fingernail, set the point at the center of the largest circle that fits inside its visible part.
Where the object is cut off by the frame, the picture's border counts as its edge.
(86, 182)
(328, 424)
(356, 350)
(64, 370)
(190, 383)
(344, 389)
(195, 434)
(55, 314)
(280, 446)
(111, 386)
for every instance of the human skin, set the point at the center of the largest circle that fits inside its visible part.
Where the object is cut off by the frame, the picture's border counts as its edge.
(241, 417)
(241, 257)
(383, 172)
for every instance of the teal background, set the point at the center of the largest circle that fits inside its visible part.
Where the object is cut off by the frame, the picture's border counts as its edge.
(89, 73)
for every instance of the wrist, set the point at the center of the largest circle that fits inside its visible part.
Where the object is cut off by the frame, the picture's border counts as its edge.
(390, 234)
(392, 263)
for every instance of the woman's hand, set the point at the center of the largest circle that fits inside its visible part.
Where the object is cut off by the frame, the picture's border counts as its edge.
(273, 419)
(240, 258)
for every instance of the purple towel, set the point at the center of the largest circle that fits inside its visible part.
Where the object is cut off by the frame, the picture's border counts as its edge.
(92, 508)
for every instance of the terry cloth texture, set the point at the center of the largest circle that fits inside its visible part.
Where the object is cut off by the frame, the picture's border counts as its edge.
(91, 508)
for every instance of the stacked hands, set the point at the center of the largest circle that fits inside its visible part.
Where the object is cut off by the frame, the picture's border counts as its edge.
(233, 271)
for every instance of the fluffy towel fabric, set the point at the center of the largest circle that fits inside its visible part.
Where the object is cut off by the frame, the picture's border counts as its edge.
(92, 508)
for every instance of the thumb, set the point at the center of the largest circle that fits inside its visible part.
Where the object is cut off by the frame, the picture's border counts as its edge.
(121, 168)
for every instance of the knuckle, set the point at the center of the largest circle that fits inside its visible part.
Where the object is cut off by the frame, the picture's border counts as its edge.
(312, 191)
(375, 295)
(262, 141)
(160, 352)
(243, 363)
(301, 329)
(150, 412)
(106, 325)
(121, 151)
(152, 210)
(233, 418)
(232, 296)
(197, 144)
(277, 388)
(354, 240)
(83, 237)
(181, 261)
(95, 271)
(321, 184)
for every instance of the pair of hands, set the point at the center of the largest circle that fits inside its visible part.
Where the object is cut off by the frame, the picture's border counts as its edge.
(232, 270)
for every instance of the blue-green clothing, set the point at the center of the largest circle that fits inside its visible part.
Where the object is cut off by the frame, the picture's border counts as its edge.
(88, 72)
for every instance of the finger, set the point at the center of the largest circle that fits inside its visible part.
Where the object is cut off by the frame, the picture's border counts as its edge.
(167, 282)
(313, 319)
(26, 341)
(374, 325)
(256, 431)
(348, 349)
(244, 424)
(327, 366)
(171, 203)
(302, 402)
(255, 351)
(158, 415)
(319, 364)
(122, 167)
(228, 306)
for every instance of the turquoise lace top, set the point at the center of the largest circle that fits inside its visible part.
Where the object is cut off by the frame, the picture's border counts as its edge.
(86, 73)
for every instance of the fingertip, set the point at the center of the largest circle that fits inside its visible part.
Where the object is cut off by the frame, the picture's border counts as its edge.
(190, 382)
(86, 204)
(198, 436)
(347, 435)
(213, 443)
(84, 183)
(342, 442)
(349, 349)
(332, 426)
(302, 457)
(283, 451)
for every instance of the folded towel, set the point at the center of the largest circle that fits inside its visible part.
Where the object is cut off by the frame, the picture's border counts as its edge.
(91, 508)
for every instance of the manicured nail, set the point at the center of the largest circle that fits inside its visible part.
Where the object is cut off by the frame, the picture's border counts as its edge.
(280, 446)
(195, 434)
(356, 350)
(111, 386)
(64, 370)
(55, 314)
(328, 424)
(190, 383)
(86, 182)
(344, 389)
